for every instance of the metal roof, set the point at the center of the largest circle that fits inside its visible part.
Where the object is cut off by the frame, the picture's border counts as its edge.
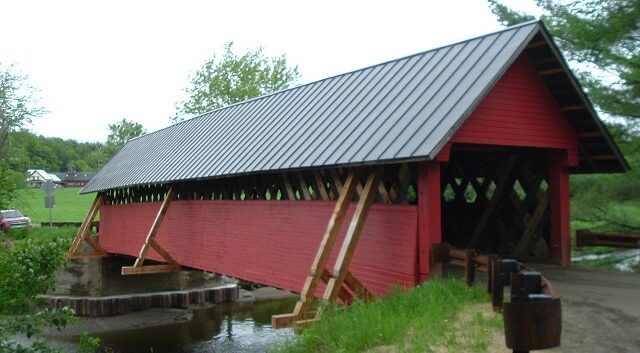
(405, 109)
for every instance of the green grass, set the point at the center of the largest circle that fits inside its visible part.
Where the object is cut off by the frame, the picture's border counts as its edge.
(419, 320)
(70, 206)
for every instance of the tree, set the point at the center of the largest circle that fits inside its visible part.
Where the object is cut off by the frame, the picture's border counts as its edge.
(234, 79)
(119, 133)
(600, 34)
(17, 103)
(123, 131)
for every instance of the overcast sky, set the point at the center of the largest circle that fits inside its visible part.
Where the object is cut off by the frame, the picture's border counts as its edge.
(96, 62)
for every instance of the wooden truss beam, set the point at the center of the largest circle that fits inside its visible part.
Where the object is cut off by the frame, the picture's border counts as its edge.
(84, 236)
(150, 242)
(502, 185)
(341, 282)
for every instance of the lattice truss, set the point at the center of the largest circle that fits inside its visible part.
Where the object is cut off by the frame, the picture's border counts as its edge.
(497, 202)
(398, 186)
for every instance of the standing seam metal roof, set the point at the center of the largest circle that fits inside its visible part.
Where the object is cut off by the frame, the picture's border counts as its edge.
(404, 109)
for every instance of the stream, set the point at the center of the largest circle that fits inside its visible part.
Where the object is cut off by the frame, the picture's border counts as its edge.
(624, 259)
(239, 327)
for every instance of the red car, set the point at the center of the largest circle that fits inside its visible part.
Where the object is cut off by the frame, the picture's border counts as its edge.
(13, 219)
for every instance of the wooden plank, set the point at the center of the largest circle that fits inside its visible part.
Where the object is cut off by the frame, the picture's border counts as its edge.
(553, 71)
(357, 287)
(384, 195)
(304, 188)
(320, 185)
(160, 250)
(505, 177)
(318, 267)
(141, 270)
(351, 239)
(282, 320)
(154, 227)
(86, 224)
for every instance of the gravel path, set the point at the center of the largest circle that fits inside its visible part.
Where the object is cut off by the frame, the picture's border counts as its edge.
(600, 310)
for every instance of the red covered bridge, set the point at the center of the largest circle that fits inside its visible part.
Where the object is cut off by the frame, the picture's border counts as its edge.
(471, 144)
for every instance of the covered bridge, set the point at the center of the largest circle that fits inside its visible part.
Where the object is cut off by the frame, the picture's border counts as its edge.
(471, 143)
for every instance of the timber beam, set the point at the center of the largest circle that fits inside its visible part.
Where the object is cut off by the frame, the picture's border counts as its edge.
(84, 236)
(172, 266)
(341, 284)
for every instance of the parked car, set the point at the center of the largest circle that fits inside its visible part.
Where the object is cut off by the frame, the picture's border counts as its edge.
(13, 219)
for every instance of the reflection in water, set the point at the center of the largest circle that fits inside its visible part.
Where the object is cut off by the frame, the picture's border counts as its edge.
(222, 328)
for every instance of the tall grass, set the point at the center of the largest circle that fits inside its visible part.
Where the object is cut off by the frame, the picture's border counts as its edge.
(418, 320)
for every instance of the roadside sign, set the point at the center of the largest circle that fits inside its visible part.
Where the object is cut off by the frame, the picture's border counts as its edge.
(49, 201)
(48, 187)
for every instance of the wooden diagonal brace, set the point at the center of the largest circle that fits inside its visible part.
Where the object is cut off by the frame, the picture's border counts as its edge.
(351, 239)
(150, 242)
(83, 234)
(318, 268)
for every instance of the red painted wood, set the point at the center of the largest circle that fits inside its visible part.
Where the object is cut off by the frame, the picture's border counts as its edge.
(519, 111)
(429, 217)
(272, 243)
(559, 207)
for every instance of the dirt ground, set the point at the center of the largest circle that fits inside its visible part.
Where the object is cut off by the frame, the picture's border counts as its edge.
(600, 310)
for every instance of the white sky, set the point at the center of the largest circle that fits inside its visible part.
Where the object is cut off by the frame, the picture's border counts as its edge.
(98, 62)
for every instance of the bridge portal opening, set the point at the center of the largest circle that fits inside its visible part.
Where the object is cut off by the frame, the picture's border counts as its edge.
(497, 200)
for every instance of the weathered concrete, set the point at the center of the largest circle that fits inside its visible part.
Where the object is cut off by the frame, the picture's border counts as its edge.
(101, 276)
(94, 306)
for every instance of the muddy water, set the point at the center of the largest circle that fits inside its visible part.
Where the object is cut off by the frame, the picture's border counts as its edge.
(222, 328)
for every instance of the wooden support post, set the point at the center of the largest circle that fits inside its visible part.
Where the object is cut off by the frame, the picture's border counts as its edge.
(351, 239)
(429, 218)
(559, 207)
(150, 242)
(83, 234)
(469, 266)
(318, 267)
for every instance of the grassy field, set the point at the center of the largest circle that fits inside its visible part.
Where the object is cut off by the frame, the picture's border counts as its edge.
(70, 206)
(440, 316)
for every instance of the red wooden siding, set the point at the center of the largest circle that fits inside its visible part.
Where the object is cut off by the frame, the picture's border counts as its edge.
(266, 242)
(519, 111)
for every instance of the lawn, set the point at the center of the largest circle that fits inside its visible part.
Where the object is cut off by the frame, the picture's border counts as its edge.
(442, 315)
(70, 206)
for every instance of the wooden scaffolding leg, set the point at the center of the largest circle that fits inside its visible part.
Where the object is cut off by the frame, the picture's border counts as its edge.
(150, 242)
(301, 314)
(83, 234)
(318, 268)
(341, 269)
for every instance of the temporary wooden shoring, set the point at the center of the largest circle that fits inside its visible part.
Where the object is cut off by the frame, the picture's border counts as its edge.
(83, 234)
(150, 242)
(351, 239)
(342, 277)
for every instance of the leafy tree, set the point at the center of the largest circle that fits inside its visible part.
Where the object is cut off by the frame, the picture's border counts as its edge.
(119, 133)
(123, 131)
(600, 34)
(234, 79)
(17, 103)
(27, 270)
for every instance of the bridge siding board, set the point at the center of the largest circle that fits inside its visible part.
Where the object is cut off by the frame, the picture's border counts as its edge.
(520, 111)
(267, 242)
